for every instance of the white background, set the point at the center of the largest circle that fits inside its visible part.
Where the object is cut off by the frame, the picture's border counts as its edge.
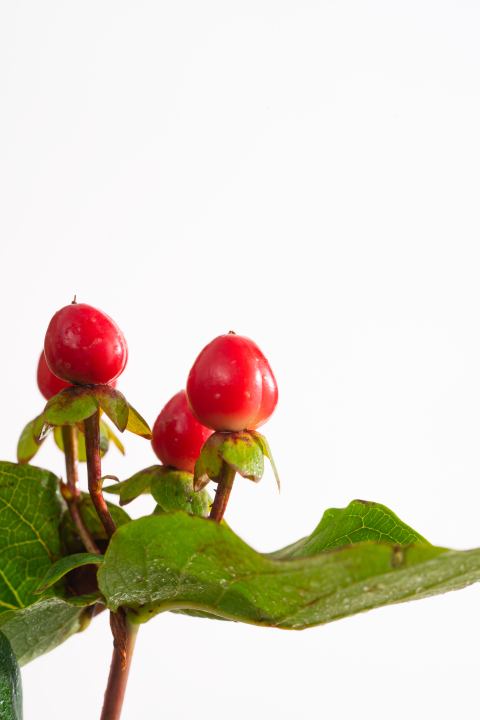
(307, 174)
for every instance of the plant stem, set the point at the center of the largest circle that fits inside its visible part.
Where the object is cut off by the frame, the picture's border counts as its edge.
(70, 446)
(94, 467)
(224, 488)
(118, 677)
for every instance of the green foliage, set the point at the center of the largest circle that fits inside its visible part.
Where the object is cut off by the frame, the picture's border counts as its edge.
(361, 521)
(70, 405)
(173, 490)
(35, 630)
(29, 539)
(268, 453)
(210, 460)
(10, 683)
(210, 570)
(29, 441)
(63, 566)
(70, 539)
(113, 403)
(243, 452)
(137, 425)
(136, 485)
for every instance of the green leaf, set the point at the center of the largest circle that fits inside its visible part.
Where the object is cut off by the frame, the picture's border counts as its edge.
(113, 403)
(29, 539)
(268, 453)
(243, 452)
(173, 490)
(63, 566)
(136, 485)
(70, 405)
(137, 425)
(361, 521)
(29, 441)
(210, 459)
(10, 683)
(85, 600)
(178, 561)
(69, 535)
(37, 629)
(82, 452)
(111, 435)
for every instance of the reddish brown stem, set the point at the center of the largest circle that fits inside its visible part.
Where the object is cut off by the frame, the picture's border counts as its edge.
(70, 446)
(224, 488)
(94, 467)
(117, 680)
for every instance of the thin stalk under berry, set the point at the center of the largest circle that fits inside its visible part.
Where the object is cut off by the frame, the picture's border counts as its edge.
(224, 488)
(118, 677)
(94, 467)
(73, 496)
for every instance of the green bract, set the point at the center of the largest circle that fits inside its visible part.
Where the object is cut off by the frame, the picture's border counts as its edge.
(74, 404)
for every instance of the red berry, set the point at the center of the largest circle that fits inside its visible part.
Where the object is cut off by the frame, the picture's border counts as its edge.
(177, 437)
(84, 346)
(48, 383)
(231, 386)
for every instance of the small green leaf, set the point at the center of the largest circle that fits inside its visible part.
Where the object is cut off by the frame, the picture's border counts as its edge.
(243, 452)
(211, 460)
(29, 441)
(63, 566)
(136, 485)
(113, 403)
(195, 564)
(70, 405)
(173, 490)
(35, 630)
(82, 601)
(111, 435)
(268, 453)
(137, 425)
(10, 683)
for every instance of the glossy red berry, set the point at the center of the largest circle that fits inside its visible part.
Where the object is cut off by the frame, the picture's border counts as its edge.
(48, 383)
(231, 386)
(177, 437)
(84, 346)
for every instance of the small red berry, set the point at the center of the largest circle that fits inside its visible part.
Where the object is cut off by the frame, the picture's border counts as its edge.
(231, 386)
(84, 346)
(48, 383)
(177, 437)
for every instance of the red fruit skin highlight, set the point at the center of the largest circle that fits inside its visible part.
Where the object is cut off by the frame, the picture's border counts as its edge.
(177, 437)
(231, 386)
(84, 346)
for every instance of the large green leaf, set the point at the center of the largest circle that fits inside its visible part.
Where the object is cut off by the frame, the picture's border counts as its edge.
(39, 628)
(10, 683)
(178, 561)
(29, 539)
(361, 521)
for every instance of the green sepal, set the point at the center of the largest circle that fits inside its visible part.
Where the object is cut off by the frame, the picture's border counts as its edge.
(113, 403)
(200, 477)
(137, 425)
(173, 490)
(63, 566)
(243, 452)
(70, 405)
(136, 485)
(268, 453)
(10, 683)
(210, 459)
(112, 436)
(30, 441)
